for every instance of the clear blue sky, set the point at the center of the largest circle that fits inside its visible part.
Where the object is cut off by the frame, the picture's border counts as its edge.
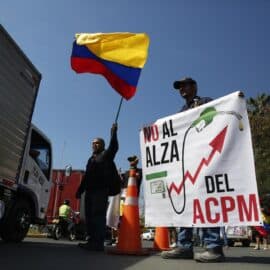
(224, 45)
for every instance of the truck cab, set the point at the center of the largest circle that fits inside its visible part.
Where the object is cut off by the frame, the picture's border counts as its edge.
(36, 173)
(25, 201)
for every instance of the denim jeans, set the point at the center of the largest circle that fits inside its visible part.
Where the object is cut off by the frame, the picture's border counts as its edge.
(96, 203)
(211, 237)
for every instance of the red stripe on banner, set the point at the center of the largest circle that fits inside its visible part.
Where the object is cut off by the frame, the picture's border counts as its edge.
(81, 65)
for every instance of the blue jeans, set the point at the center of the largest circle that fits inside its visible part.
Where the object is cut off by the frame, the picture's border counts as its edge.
(211, 237)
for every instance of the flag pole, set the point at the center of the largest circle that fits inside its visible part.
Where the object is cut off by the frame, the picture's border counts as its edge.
(118, 111)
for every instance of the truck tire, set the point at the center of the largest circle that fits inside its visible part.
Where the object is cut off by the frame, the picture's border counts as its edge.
(17, 222)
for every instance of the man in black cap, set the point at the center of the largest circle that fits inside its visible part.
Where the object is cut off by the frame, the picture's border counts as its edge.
(187, 88)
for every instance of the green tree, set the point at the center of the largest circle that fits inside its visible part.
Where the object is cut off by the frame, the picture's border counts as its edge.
(259, 116)
(259, 106)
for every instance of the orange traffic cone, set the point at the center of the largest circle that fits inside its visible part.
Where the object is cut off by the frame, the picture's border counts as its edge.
(161, 240)
(129, 240)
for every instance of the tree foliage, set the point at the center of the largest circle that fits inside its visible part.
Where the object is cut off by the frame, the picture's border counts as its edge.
(259, 116)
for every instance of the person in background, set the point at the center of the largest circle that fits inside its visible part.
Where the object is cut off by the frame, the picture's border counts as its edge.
(172, 237)
(133, 164)
(187, 88)
(99, 171)
(65, 212)
(262, 232)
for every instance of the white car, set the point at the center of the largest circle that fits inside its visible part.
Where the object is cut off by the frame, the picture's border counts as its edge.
(148, 235)
(241, 234)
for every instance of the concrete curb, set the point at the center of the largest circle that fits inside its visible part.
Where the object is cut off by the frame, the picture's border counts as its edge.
(33, 235)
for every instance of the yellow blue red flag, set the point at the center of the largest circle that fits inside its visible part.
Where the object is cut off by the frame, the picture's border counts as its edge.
(119, 57)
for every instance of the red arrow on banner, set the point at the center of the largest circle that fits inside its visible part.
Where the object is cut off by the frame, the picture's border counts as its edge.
(217, 145)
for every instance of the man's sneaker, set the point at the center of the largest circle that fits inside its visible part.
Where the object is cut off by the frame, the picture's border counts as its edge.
(91, 247)
(177, 253)
(210, 255)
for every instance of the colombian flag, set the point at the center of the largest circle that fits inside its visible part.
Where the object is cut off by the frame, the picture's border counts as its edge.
(119, 57)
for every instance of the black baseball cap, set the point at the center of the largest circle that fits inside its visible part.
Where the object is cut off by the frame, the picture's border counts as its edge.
(133, 158)
(183, 81)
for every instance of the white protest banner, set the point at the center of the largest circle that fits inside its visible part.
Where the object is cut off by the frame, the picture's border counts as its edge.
(198, 167)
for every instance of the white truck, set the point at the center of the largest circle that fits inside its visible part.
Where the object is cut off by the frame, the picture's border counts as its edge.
(25, 152)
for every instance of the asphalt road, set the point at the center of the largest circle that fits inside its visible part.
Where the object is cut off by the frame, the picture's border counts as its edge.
(45, 254)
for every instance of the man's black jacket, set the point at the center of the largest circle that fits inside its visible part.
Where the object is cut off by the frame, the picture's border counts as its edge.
(100, 168)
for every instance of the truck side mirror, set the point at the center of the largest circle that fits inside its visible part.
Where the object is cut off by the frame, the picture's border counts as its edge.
(68, 170)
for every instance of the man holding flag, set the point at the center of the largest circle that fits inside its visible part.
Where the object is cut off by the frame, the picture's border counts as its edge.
(99, 172)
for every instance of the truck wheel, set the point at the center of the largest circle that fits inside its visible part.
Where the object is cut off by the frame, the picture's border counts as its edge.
(246, 243)
(17, 222)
